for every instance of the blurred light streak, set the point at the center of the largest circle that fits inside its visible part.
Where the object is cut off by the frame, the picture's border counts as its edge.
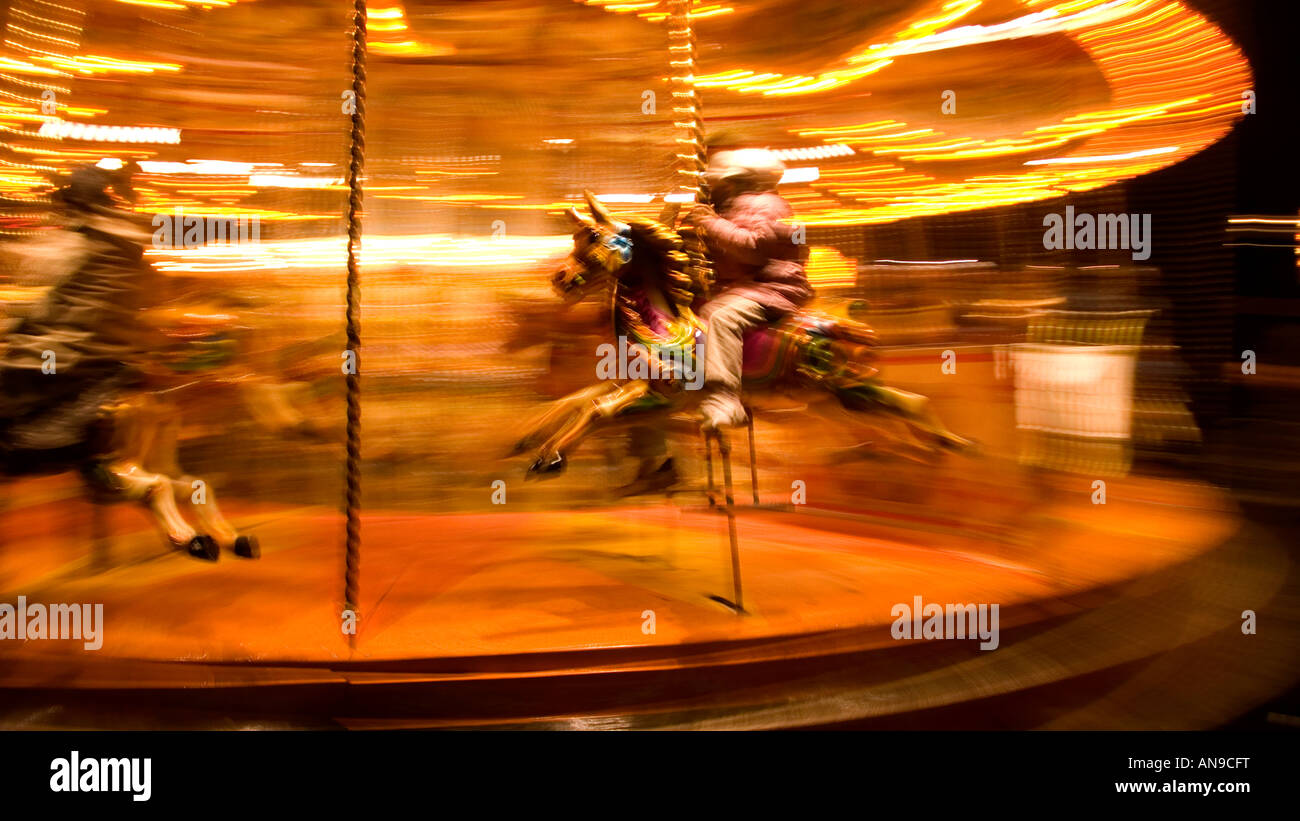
(650, 10)
(443, 252)
(797, 175)
(1176, 83)
(287, 181)
(828, 268)
(61, 130)
(1146, 152)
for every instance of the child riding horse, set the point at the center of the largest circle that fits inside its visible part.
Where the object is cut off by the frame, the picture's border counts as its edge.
(72, 385)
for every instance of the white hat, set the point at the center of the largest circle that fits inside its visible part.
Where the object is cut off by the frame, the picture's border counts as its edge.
(754, 168)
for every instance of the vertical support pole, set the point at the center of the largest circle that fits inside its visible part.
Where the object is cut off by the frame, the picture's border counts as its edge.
(689, 160)
(724, 449)
(690, 167)
(352, 498)
(708, 466)
(753, 456)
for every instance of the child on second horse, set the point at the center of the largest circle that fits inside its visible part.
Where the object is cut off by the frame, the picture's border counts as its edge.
(758, 264)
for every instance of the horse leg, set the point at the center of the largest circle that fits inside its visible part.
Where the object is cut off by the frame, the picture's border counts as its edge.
(915, 410)
(204, 503)
(888, 435)
(552, 455)
(656, 470)
(921, 409)
(146, 433)
(558, 415)
(154, 490)
(602, 403)
(154, 431)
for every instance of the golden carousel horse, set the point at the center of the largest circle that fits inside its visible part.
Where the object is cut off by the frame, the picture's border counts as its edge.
(650, 291)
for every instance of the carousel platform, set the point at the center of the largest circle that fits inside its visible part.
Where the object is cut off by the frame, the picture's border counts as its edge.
(606, 616)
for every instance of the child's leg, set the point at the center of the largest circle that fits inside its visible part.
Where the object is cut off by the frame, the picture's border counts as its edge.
(729, 317)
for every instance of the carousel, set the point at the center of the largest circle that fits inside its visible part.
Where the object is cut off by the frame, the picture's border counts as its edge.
(431, 315)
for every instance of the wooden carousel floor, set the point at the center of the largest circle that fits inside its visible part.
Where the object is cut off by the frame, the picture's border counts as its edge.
(511, 583)
(606, 614)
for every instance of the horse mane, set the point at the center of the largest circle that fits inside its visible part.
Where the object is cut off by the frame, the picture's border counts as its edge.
(659, 264)
(669, 259)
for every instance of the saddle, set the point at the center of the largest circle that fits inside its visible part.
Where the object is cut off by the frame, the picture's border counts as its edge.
(809, 343)
(812, 344)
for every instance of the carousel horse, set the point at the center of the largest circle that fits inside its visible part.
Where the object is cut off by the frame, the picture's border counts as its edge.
(807, 354)
(82, 393)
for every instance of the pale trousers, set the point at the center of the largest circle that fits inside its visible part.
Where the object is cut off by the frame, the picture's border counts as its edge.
(729, 317)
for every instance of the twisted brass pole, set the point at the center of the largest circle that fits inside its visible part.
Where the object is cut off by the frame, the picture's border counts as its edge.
(352, 499)
(690, 158)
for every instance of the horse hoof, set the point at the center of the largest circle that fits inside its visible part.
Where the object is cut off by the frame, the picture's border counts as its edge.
(247, 547)
(544, 467)
(203, 547)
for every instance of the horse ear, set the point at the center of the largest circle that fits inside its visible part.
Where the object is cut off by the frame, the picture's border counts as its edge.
(668, 216)
(578, 219)
(600, 212)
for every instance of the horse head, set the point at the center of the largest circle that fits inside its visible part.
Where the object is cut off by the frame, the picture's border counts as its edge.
(602, 250)
(606, 249)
